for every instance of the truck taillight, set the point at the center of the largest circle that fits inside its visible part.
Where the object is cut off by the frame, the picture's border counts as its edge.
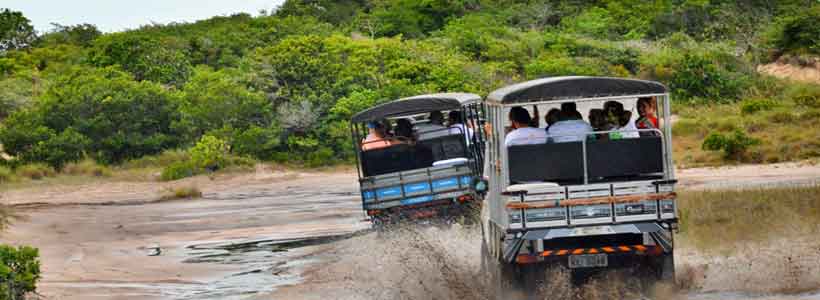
(667, 208)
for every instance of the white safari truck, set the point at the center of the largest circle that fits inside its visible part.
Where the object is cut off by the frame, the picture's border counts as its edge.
(585, 200)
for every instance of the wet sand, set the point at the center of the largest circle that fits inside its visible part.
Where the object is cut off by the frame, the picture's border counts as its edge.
(237, 242)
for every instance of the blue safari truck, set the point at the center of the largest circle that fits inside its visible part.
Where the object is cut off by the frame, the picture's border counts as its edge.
(420, 157)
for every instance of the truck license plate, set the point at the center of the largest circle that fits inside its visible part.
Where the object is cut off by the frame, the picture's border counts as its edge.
(588, 261)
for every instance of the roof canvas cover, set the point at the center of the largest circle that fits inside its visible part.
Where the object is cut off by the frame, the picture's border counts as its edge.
(416, 105)
(574, 87)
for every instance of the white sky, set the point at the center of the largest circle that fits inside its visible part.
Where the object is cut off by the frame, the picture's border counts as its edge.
(117, 15)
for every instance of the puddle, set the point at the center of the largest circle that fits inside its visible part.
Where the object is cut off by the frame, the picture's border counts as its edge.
(264, 265)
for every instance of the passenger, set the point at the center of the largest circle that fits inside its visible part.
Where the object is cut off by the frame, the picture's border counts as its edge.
(570, 128)
(572, 107)
(552, 117)
(376, 137)
(457, 125)
(404, 130)
(628, 129)
(597, 120)
(647, 116)
(522, 133)
(434, 128)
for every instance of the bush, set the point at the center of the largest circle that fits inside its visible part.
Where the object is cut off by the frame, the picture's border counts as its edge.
(19, 271)
(733, 145)
(178, 170)
(257, 142)
(210, 153)
(782, 117)
(321, 157)
(184, 192)
(796, 34)
(35, 171)
(755, 105)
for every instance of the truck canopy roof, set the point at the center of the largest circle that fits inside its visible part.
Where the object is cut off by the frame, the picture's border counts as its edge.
(416, 105)
(561, 89)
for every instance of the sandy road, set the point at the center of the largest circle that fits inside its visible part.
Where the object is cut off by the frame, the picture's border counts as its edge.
(232, 244)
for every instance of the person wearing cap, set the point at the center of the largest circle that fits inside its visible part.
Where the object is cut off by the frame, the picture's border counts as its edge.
(376, 138)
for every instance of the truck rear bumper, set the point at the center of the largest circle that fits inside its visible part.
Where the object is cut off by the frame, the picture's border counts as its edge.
(448, 208)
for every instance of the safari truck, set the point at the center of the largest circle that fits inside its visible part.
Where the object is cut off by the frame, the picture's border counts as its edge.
(433, 172)
(603, 199)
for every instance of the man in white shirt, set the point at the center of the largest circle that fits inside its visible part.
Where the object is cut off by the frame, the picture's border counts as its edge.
(457, 126)
(569, 128)
(522, 133)
(433, 128)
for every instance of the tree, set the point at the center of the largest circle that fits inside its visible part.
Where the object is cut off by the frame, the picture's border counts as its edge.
(79, 35)
(143, 56)
(101, 112)
(213, 100)
(19, 271)
(16, 31)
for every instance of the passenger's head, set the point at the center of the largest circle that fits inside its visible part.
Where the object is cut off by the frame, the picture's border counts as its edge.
(597, 118)
(613, 111)
(436, 117)
(519, 117)
(454, 117)
(568, 116)
(569, 106)
(376, 128)
(647, 106)
(552, 116)
(404, 128)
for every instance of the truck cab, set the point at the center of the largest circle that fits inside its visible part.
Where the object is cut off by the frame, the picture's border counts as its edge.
(587, 197)
(433, 172)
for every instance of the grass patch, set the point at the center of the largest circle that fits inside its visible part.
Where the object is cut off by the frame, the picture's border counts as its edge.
(86, 167)
(183, 192)
(35, 171)
(6, 175)
(787, 130)
(721, 218)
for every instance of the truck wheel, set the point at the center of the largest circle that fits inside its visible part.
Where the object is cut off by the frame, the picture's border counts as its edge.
(501, 275)
(666, 268)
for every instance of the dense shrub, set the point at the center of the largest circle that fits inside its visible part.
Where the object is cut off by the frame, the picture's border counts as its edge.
(101, 112)
(143, 56)
(19, 271)
(733, 145)
(210, 153)
(257, 142)
(752, 106)
(796, 34)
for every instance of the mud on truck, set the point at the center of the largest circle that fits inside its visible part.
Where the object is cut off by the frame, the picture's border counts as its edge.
(596, 195)
(420, 158)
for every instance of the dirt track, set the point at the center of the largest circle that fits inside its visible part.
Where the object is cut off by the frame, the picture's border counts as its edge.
(233, 244)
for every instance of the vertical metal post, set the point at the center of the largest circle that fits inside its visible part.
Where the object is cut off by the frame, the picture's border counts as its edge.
(667, 130)
(586, 167)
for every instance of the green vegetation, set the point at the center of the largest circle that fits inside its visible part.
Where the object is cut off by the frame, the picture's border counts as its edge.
(184, 192)
(282, 86)
(19, 272)
(727, 217)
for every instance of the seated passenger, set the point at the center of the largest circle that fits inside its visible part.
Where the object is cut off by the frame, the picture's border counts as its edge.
(597, 120)
(552, 117)
(404, 130)
(457, 125)
(618, 120)
(433, 128)
(376, 138)
(647, 116)
(569, 128)
(522, 133)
